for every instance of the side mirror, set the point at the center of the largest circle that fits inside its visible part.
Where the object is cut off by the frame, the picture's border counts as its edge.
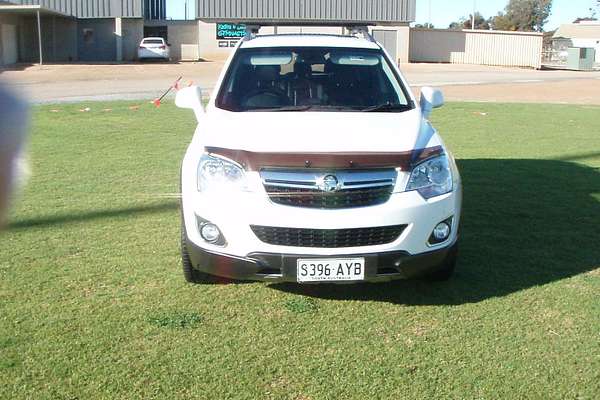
(430, 98)
(190, 97)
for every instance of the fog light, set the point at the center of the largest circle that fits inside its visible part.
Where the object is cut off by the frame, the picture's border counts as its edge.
(210, 233)
(441, 232)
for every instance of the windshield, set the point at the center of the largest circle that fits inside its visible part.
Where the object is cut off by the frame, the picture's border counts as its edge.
(312, 78)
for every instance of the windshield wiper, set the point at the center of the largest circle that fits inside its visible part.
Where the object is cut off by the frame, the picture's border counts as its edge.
(307, 107)
(387, 107)
(292, 108)
(280, 109)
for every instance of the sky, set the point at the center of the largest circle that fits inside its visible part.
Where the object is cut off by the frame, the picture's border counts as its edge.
(176, 9)
(443, 12)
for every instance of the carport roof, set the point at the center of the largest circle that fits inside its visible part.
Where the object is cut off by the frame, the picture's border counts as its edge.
(29, 9)
(36, 10)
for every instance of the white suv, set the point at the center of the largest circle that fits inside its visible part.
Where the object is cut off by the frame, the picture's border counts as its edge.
(313, 163)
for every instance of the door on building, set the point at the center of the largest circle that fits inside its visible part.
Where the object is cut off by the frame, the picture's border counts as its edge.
(10, 53)
(156, 31)
(96, 40)
(389, 40)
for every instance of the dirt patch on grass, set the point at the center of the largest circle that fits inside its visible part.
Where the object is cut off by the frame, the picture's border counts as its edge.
(580, 91)
(595, 273)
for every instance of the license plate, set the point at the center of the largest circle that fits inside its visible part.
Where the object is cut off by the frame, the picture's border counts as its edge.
(331, 270)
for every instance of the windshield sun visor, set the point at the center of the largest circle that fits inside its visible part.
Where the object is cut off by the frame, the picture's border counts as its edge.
(365, 60)
(283, 58)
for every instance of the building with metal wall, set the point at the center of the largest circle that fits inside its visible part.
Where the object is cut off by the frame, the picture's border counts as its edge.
(478, 47)
(155, 9)
(69, 30)
(110, 30)
(583, 34)
(382, 12)
(85, 8)
(388, 19)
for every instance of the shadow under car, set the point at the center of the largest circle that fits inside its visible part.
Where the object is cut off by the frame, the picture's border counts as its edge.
(525, 223)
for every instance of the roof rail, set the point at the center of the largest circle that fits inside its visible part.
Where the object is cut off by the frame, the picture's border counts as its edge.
(252, 29)
(361, 30)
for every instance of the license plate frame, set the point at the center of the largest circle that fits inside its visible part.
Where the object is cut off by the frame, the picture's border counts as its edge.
(332, 269)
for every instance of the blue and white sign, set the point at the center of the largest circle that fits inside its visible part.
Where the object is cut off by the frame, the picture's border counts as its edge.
(230, 31)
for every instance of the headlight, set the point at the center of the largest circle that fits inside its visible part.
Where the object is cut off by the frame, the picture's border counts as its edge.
(219, 174)
(432, 178)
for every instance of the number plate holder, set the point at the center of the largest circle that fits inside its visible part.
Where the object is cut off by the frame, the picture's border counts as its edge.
(330, 270)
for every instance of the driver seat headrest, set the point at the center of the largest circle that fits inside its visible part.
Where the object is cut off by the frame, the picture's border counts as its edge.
(302, 69)
(267, 73)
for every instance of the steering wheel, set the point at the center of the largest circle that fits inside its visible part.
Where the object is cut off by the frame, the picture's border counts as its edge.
(266, 98)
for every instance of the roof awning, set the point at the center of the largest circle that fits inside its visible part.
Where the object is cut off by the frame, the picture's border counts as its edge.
(30, 9)
(36, 11)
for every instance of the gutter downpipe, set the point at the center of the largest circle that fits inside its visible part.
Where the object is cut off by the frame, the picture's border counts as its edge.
(39, 25)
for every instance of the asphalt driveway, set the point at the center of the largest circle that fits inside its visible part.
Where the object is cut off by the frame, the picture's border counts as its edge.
(58, 83)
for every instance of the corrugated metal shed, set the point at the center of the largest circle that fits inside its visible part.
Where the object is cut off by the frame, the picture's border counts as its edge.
(511, 49)
(307, 11)
(90, 8)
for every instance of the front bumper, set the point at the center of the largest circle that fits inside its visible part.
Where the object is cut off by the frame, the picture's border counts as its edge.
(270, 267)
(236, 215)
(245, 256)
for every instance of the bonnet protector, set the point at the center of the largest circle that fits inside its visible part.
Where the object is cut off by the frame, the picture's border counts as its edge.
(255, 161)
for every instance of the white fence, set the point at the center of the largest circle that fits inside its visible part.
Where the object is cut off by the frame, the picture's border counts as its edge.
(511, 49)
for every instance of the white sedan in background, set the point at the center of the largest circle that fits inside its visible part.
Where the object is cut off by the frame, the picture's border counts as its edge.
(154, 47)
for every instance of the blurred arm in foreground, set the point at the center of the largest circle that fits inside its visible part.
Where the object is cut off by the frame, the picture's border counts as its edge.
(13, 130)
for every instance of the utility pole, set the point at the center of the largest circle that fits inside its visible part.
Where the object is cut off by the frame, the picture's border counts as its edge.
(39, 31)
(186, 10)
(473, 15)
(430, 25)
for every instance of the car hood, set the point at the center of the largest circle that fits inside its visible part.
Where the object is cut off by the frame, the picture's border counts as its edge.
(315, 132)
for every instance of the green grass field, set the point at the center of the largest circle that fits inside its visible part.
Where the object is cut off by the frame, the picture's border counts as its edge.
(93, 304)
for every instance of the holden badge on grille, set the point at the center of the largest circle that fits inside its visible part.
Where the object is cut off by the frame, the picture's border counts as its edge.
(328, 183)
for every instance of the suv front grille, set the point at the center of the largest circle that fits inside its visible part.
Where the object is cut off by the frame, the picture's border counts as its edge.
(306, 188)
(328, 238)
(317, 199)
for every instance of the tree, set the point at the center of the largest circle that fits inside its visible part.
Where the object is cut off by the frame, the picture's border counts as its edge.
(524, 15)
(466, 22)
(593, 13)
(426, 25)
(542, 11)
(519, 15)
(585, 19)
(501, 22)
(457, 24)
(480, 22)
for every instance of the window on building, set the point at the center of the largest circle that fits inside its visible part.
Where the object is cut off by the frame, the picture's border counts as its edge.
(88, 36)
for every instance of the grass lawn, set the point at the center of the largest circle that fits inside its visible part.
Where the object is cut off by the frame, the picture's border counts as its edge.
(93, 304)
